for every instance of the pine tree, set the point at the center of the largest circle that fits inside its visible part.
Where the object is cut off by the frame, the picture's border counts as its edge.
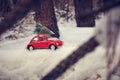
(37, 28)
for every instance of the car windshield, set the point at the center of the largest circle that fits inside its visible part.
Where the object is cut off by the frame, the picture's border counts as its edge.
(41, 39)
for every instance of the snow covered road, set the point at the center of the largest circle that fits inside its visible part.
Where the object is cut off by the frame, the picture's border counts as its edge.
(17, 63)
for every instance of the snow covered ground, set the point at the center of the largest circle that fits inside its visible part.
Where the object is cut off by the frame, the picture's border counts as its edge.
(17, 63)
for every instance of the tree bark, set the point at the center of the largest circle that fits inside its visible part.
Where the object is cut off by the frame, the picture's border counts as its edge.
(13, 3)
(83, 7)
(45, 14)
(4, 7)
(109, 2)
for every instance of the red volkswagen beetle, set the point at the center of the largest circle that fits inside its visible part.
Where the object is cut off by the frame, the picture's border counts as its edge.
(44, 41)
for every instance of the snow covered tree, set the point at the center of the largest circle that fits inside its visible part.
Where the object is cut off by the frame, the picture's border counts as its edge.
(37, 28)
(83, 7)
(20, 9)
(64, 9)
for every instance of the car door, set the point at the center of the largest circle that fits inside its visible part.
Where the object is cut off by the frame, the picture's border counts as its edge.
(35, 42)
(43, 43)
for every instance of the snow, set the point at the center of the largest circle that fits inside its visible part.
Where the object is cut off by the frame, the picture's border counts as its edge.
(101, 25)
(17, 63)
(110, 23)
(23, 28)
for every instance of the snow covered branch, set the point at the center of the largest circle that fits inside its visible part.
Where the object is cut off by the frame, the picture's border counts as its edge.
(18, 13)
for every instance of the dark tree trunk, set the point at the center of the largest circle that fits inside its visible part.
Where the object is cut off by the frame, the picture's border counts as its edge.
(109, 2)
(45, 14)
(13, 3)
(4, 7)
(83, 7)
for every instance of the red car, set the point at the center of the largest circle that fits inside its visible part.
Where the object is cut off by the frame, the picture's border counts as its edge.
(44, 41)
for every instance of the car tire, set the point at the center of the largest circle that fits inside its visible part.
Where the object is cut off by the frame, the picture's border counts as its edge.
(30, 48)
(53, 47)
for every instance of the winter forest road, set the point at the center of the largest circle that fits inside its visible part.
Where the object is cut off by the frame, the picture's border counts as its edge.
(17, 63)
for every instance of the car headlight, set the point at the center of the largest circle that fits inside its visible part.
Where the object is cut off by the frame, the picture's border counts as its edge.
(57, 43)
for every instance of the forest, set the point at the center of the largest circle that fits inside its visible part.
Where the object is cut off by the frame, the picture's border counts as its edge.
(68, 20)
(45, 11)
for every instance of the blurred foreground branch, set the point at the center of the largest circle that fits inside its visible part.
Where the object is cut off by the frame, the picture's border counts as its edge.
(83, 50)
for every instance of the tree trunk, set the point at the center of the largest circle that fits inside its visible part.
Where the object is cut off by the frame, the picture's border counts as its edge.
(4, 7)
(13, 3)
(44, 14)
(83, 7)
(109, 2)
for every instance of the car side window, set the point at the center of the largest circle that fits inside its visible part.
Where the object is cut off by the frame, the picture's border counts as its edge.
(41, 39)
(35, 39)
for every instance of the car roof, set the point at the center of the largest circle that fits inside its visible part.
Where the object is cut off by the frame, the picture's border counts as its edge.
(42, 35)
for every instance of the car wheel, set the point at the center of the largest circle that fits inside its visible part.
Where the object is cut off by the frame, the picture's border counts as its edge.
(52, 47)
(30, 48)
